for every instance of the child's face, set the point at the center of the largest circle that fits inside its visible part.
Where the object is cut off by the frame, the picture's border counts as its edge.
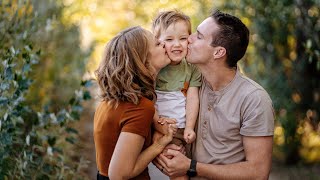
(176, 41)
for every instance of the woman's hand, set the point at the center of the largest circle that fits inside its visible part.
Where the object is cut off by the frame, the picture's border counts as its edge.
(167, 138)
(162, 120)
(162, 124)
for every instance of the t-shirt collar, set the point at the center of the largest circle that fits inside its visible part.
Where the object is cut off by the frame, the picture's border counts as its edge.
(226, 88)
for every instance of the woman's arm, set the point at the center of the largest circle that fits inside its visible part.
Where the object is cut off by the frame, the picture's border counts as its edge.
(128, 161)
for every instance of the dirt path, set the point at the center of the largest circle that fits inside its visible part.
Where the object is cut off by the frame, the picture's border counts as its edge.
(85, 128)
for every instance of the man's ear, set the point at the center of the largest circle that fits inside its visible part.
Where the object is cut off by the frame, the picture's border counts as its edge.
(219, 52)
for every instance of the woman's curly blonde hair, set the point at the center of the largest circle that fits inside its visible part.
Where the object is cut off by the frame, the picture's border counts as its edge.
(124, 73)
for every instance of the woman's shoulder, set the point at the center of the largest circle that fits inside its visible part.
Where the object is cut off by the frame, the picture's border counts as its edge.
(144, 110)
(146, 103)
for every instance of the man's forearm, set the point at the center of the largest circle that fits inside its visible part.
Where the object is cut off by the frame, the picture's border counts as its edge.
(241, 170)
(258, 152)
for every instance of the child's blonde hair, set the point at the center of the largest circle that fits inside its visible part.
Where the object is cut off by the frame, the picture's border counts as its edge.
(164, 19)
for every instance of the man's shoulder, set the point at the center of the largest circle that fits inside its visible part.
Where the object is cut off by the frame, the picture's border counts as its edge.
(251, 88)
(249, 84)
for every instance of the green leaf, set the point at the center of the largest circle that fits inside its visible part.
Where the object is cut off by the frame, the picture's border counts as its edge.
(3, 100)
(8, 75)
(71, 130)
(309, 44)
(86, 95)
(71, 140)
(38, 52)
(5, 139)
(310, 59)
(75, 115)
(77, 108)
(4, 86)
(12, 50)
(25, 56)
(86, 83)
(58, 150)
(51, 140)
(72, 100)
(26, 68)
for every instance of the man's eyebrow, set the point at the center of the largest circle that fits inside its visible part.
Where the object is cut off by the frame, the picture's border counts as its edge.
(199, 33)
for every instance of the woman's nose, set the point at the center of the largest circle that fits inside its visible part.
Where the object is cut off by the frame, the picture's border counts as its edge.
(162, 44)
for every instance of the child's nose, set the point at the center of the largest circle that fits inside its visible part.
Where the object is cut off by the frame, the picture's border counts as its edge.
(190, 38)
(177, 42)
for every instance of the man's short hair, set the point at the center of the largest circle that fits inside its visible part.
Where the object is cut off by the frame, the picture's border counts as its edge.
(233, 35)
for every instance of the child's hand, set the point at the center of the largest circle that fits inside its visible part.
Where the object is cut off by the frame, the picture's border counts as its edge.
(189, 135)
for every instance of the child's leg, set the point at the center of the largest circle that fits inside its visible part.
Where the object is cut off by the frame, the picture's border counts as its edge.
(179, 136)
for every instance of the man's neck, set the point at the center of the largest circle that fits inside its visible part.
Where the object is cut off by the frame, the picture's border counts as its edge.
(218, 77)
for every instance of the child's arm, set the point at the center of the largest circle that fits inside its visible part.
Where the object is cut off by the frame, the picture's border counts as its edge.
(192, 109)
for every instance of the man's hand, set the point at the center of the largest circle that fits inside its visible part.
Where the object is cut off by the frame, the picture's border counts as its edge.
(189, 135)
(174, 147)
(178, 165)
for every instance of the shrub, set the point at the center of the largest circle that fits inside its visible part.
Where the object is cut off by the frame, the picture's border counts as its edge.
(33, 144)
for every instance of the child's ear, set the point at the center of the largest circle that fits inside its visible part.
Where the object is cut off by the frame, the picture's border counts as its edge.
(219, 52)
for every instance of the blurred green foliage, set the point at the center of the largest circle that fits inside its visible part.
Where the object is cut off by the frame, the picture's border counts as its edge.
(63, 64)
(285, 58)
(34, 138)
(100, 20)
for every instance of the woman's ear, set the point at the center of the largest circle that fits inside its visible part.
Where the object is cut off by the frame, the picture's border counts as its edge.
(219, 52)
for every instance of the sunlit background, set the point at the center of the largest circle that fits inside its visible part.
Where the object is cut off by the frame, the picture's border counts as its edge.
(57, 45)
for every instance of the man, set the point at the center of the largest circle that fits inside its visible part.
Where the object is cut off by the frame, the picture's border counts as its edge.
(236, 120)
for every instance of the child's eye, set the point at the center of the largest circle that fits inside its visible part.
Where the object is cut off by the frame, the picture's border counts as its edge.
(168, 40)
(184, 38)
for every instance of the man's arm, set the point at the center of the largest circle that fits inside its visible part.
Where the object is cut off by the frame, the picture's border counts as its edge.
(258, 151)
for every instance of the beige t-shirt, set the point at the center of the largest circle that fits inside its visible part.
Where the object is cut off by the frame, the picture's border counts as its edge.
(243, 108)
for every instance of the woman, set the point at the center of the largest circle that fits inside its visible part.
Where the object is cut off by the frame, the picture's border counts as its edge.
(122, 121)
